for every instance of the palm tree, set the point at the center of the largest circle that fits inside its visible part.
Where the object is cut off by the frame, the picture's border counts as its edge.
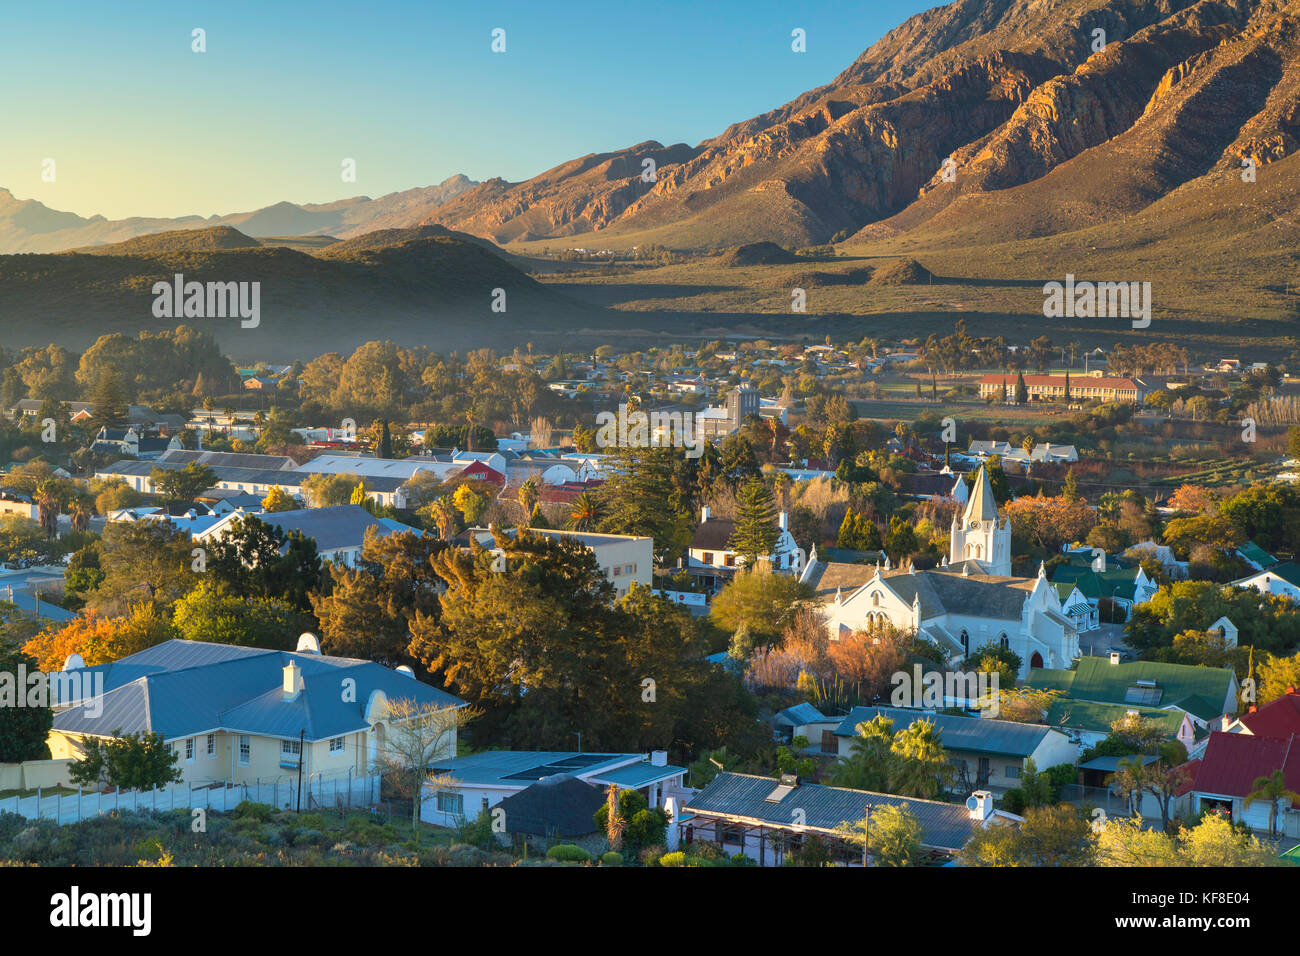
(80, 515)
(614, 821)
(1272, 788)
(529, 496)
(47, 504)
(585, 512)
(443, 511)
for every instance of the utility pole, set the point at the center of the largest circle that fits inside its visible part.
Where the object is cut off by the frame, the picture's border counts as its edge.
(301, 734)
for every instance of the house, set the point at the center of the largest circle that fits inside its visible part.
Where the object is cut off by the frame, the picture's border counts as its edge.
(985, 752)
(1256, 557)
(1204, 693)
(339, 531)
(261, 382)
(1099, 580)
(767, 819)
(1088, 722)
(133, 442)
(240, 714)
(1278, 718)
(711, 558)
(1078, 610)
(468, 786)
(805, 720)
(558, 808)
(1283, 579)
(1223, 778)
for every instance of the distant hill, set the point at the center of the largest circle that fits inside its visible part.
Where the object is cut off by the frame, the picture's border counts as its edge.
(30, 226)
(427, 287)
(758, 254)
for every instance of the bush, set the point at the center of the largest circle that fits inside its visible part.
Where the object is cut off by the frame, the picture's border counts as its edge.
(568, 853)
(741, 860)
(651, 855)
(611, 859)
(247, 810)
(677, 858)
(1013, 801)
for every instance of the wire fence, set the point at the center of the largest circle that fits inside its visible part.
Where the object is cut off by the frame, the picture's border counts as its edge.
(315, 791)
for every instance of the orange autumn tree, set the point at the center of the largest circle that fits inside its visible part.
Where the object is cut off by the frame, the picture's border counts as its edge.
(98, 639)
(1049, 522)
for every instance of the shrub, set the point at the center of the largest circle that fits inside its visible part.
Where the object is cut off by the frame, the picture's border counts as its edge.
(611, 859)
(677, 858)
(568, 853)
(741, 860)
(651, 855)
(1013, 801)
(247, 810)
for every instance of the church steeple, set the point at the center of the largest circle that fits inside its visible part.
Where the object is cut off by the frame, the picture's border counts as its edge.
(980, 534)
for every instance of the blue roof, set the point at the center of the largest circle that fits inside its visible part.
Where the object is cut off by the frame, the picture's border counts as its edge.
(1003, 738)
(180, 688)
(338, 526)
(798, 715)
(517, 769)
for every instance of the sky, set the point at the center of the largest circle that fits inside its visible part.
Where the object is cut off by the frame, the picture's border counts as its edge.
(139, 124)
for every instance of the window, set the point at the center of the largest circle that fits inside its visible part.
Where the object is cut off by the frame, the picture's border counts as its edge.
(450, 802)
(189, 748)
(485, 805)
(708, 557)
(212, 746)
(735, 835)
(618, 569)
(337, 744)
(244, 749)
(1013, 771)
(731, 560)
(290, 747)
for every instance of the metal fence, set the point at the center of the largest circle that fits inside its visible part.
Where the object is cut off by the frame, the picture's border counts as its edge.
(317, 791)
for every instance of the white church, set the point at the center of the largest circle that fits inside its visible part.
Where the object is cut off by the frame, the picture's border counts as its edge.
(970, 601)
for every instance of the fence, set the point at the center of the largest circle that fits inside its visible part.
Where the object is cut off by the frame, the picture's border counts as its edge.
(283, 792)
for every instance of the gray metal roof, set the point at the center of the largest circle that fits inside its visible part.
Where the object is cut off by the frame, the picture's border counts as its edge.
(741, 796)
(798, 715)
(339, 526)
(1003, 738)
(180, 688)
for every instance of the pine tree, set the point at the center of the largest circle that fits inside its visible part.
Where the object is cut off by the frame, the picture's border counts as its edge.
(755, 530)
(108, 398)
(1067, 385)
(1071, 489)
(385, 440)
(1022, 393)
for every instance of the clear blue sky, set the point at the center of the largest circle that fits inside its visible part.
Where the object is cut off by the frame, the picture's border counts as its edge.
(137, 124)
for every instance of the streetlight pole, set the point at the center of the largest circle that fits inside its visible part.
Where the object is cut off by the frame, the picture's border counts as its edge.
(301, 734)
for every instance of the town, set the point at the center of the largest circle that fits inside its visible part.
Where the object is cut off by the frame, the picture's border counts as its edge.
(949, 601)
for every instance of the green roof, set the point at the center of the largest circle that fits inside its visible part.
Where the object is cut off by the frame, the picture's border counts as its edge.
(1092, 715)
(1253, 552)
(1201, 691)
(1093, 585)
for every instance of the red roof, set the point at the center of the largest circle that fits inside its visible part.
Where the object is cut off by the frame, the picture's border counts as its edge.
(1278, 718)
(1233, 762)
(1048, 381)
(483, 473)
(567, 491)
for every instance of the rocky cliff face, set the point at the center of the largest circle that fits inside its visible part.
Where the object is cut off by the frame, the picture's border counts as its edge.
(1043, 123)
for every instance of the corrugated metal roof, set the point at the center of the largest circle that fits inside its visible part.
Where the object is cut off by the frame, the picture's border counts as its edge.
(1004, 738)
(180, 688)
(733, 795)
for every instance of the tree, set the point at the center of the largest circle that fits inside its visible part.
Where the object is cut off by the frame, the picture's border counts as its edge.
(755, 532)
(417, 734)
(108, 399)
(366, 611)
(23, 541)
(1048, 836)
(891, 834)
(1162, 779)
(638, 824)
(1271, 789)
(469, 503)
(254, 558)
(585, 512)
(143, 561)
(100, 640)
(758, 599)
(277, 500)
(326, 490)
(641, 497)
(1022, 393)
(208, 614)
(183, 484)
(920, 767)
(138, 761)
(23, 729)
(442, 511)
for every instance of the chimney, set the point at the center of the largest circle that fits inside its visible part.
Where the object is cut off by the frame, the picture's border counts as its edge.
(1114, 657)
(783, 522)
(291, 686)
(980, 805)
(704, 514)
(659, 758)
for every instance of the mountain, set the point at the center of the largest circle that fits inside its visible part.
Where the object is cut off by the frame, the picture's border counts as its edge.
(1046, 134)
(30, 226)
(426, 286)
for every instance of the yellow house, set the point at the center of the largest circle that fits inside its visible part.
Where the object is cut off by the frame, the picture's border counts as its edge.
(243, 715)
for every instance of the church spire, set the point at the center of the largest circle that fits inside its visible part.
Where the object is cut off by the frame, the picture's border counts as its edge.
(982, 505)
